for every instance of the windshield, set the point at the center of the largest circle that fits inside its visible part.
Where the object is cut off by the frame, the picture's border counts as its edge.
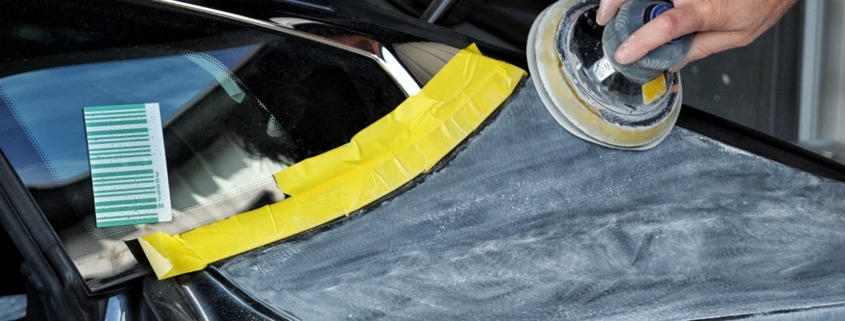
(49, 117)
(237, 105)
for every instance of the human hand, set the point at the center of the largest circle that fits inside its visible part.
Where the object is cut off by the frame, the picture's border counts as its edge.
(719, 25)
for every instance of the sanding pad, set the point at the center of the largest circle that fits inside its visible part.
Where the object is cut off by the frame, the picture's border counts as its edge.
(586, 108)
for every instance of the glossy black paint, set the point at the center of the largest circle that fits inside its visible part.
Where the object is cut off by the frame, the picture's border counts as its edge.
(220, 300)
(57, 290)
(759, 143)
(166, 301)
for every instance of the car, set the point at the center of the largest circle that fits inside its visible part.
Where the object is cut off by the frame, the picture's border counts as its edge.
(507, 217)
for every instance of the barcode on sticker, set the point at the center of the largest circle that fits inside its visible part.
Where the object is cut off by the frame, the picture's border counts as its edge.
(602, 69)
(128, 167)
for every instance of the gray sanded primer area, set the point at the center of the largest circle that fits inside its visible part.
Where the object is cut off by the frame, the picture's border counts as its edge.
(531, 223)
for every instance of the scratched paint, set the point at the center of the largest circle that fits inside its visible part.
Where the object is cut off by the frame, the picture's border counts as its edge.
(531, 223)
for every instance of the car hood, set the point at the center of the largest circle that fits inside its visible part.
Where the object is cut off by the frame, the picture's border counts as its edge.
(528, 222)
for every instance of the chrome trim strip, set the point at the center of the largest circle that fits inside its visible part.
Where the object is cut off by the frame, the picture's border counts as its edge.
(381, 55)
(373, 49)
(811, 71)
(403, 78)
(195, 302)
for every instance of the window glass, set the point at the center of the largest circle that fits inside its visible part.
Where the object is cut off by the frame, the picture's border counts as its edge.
(51, 119)
(237, 105)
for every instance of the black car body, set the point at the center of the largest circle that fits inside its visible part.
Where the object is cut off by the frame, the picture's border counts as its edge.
(520, 221)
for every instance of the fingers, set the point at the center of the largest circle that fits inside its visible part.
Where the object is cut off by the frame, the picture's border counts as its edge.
(607, 10)
(677, 22)
(719, 25)
(706, 43)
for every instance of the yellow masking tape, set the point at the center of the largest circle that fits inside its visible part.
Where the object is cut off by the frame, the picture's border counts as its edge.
(379, 159)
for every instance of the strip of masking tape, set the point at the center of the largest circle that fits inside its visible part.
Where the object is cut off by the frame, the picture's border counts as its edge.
(389, 153)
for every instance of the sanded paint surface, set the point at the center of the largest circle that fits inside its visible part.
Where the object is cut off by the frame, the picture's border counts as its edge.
(531, 223)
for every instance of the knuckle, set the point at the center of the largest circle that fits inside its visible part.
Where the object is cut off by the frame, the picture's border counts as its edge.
(706, 8)
(668, 23)
(708, 14)
(677, 22)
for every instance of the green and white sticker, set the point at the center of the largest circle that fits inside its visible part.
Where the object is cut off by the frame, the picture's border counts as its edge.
(128, 167)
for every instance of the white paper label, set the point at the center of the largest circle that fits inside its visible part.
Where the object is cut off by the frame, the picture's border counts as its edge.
(128, 165)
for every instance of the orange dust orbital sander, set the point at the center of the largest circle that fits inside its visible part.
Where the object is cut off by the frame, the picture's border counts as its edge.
(591, 95)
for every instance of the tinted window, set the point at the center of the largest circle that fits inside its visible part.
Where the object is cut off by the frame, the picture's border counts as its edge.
(237, 103)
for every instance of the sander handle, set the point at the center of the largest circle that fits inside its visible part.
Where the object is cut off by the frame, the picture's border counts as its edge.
(632, 16)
